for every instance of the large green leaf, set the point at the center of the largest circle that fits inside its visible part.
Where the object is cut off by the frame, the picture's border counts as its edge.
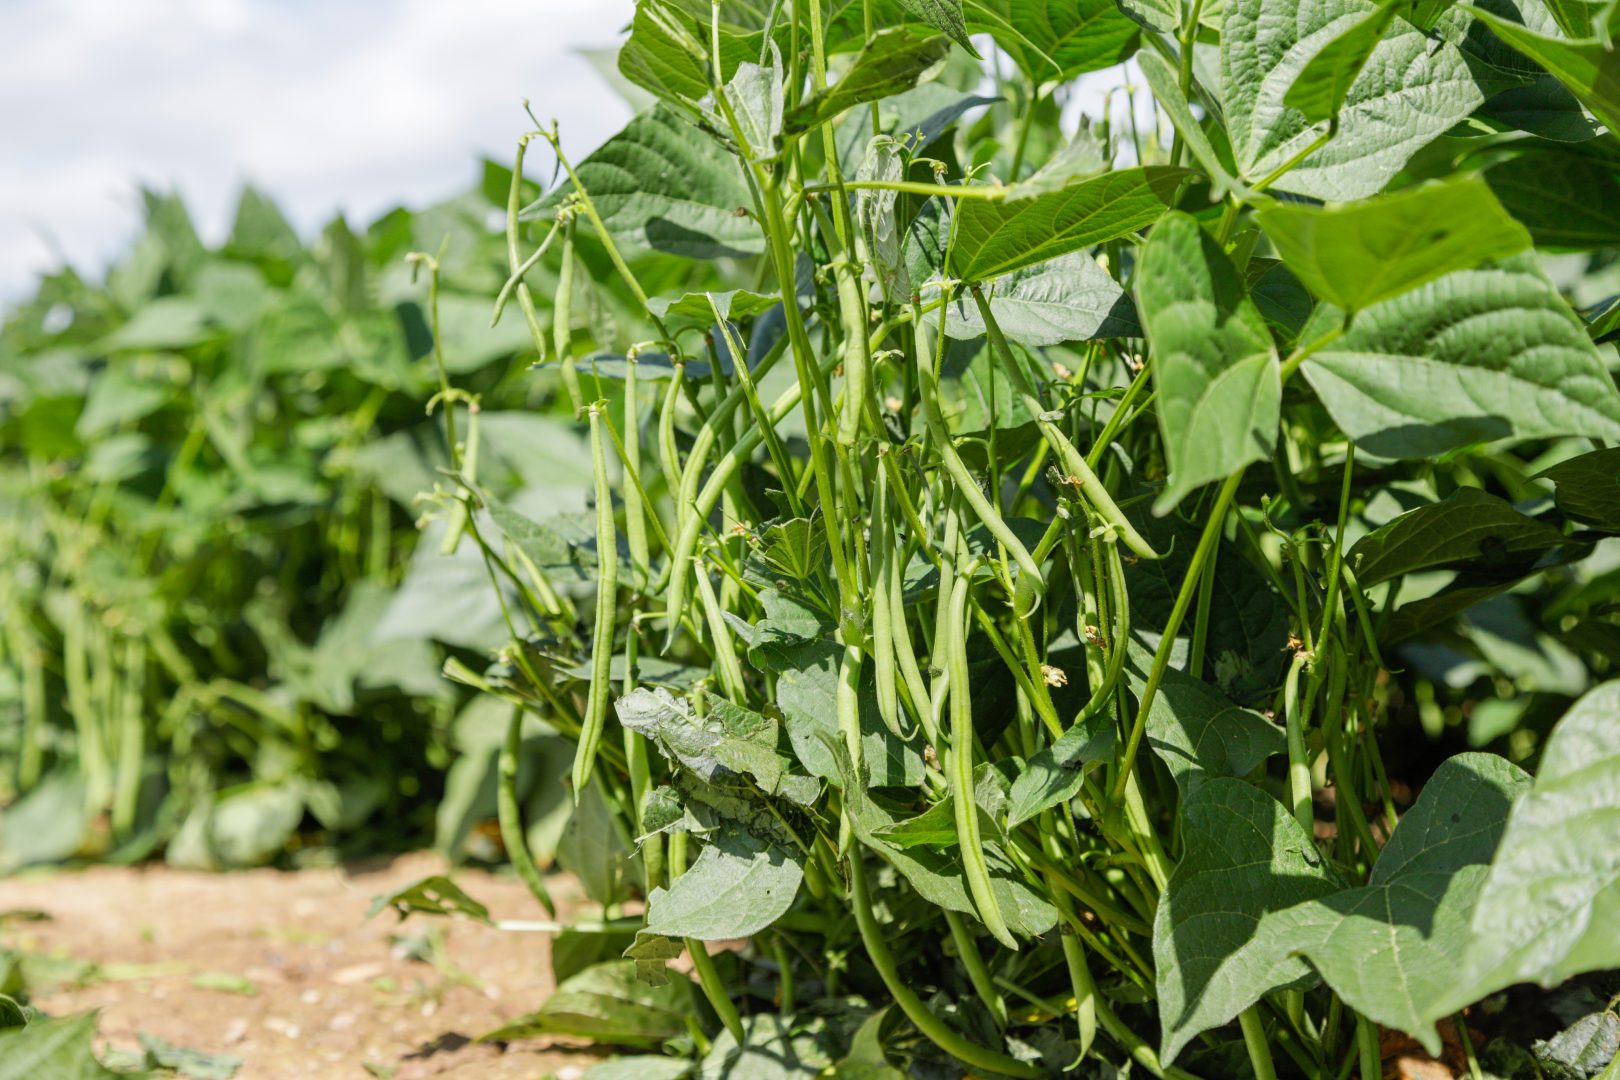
(807, 694)
(1551, 902)
(1587, 488)
(1411, 90)
(894, 60)
(1069, 298)
(1057, 773)
(1357, 254)
(1589, 69)
(1319, 90)
(1474, 356)
(58, 1049)
(731, 740)
(1075, 35)
(944, 16)
(1390, 948)
(1566, 199)
(607, 1004)
(1196, 730)
(998, 236)
(1214, 364)
(1246, 859)
(662, 185)
(667, 51)
(738, 886)
(1468, 530)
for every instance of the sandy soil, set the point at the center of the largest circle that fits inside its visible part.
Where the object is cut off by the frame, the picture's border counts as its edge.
(282, 969)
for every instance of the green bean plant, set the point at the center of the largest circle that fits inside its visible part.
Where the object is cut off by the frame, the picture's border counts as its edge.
(1071, 597)
(214, 643)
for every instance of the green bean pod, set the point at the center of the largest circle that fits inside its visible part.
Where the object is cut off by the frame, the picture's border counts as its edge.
(607, 587)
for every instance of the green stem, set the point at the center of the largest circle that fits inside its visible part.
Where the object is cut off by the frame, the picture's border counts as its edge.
(510, 815)
(933, 1028)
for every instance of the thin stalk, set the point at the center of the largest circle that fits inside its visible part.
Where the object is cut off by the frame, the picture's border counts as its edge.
(978, 971)
(933, 1028)
(1184, 598)
(1255, 1041)
(510, 815)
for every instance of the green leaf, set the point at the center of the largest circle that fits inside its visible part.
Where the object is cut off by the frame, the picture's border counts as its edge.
(693, 307)
(1322, 84)
(731, 740)
(11, 1014)
(794, 548)
(193, 1064)
(1551, 901)
(1358, 254)
(1411, 90)
(738, 886)
(1076, 36)
(661, 185)
(1214, 364)
(58, 1049)
(894, 60)
(773, 1048)
(937, 874)
(644, 1067)
(807, 694)
(593, 849)
(435, 895)
(1545, 107)
(1565, 199)
(607, 1004)
(1390, 948)
(1196, 730)
(667, 51)
(1069, 298)
(1164, 81)
(1246, 859)
(1477, 355)
(1057, 773)
(1469, 529)
(1589, 69)
(944, 16)
(998, 236)
(1587, 488)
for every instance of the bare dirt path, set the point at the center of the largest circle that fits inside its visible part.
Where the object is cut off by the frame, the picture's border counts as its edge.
(282, 969)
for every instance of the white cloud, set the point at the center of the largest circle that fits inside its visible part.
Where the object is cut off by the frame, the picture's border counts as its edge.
(328, 104)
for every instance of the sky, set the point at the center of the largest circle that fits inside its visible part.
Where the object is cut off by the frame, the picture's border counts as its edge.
(358, 105)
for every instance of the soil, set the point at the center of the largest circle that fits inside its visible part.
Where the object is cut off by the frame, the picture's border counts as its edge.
(283, 969)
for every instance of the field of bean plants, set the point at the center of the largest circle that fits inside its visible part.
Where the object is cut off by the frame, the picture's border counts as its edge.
(900, 565)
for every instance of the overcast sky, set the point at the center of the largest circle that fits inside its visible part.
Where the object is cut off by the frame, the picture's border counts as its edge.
(327, 104)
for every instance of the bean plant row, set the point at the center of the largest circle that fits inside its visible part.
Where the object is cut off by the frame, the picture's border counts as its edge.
(1020, 548)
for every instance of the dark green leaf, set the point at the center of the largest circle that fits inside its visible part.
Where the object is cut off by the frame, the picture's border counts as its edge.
(1390, 948)
(1196, 730)
(1469, 529)
(1566, 200)
(1320, 88)
(1246, 860)
(1588, 68)
(1587, 488)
